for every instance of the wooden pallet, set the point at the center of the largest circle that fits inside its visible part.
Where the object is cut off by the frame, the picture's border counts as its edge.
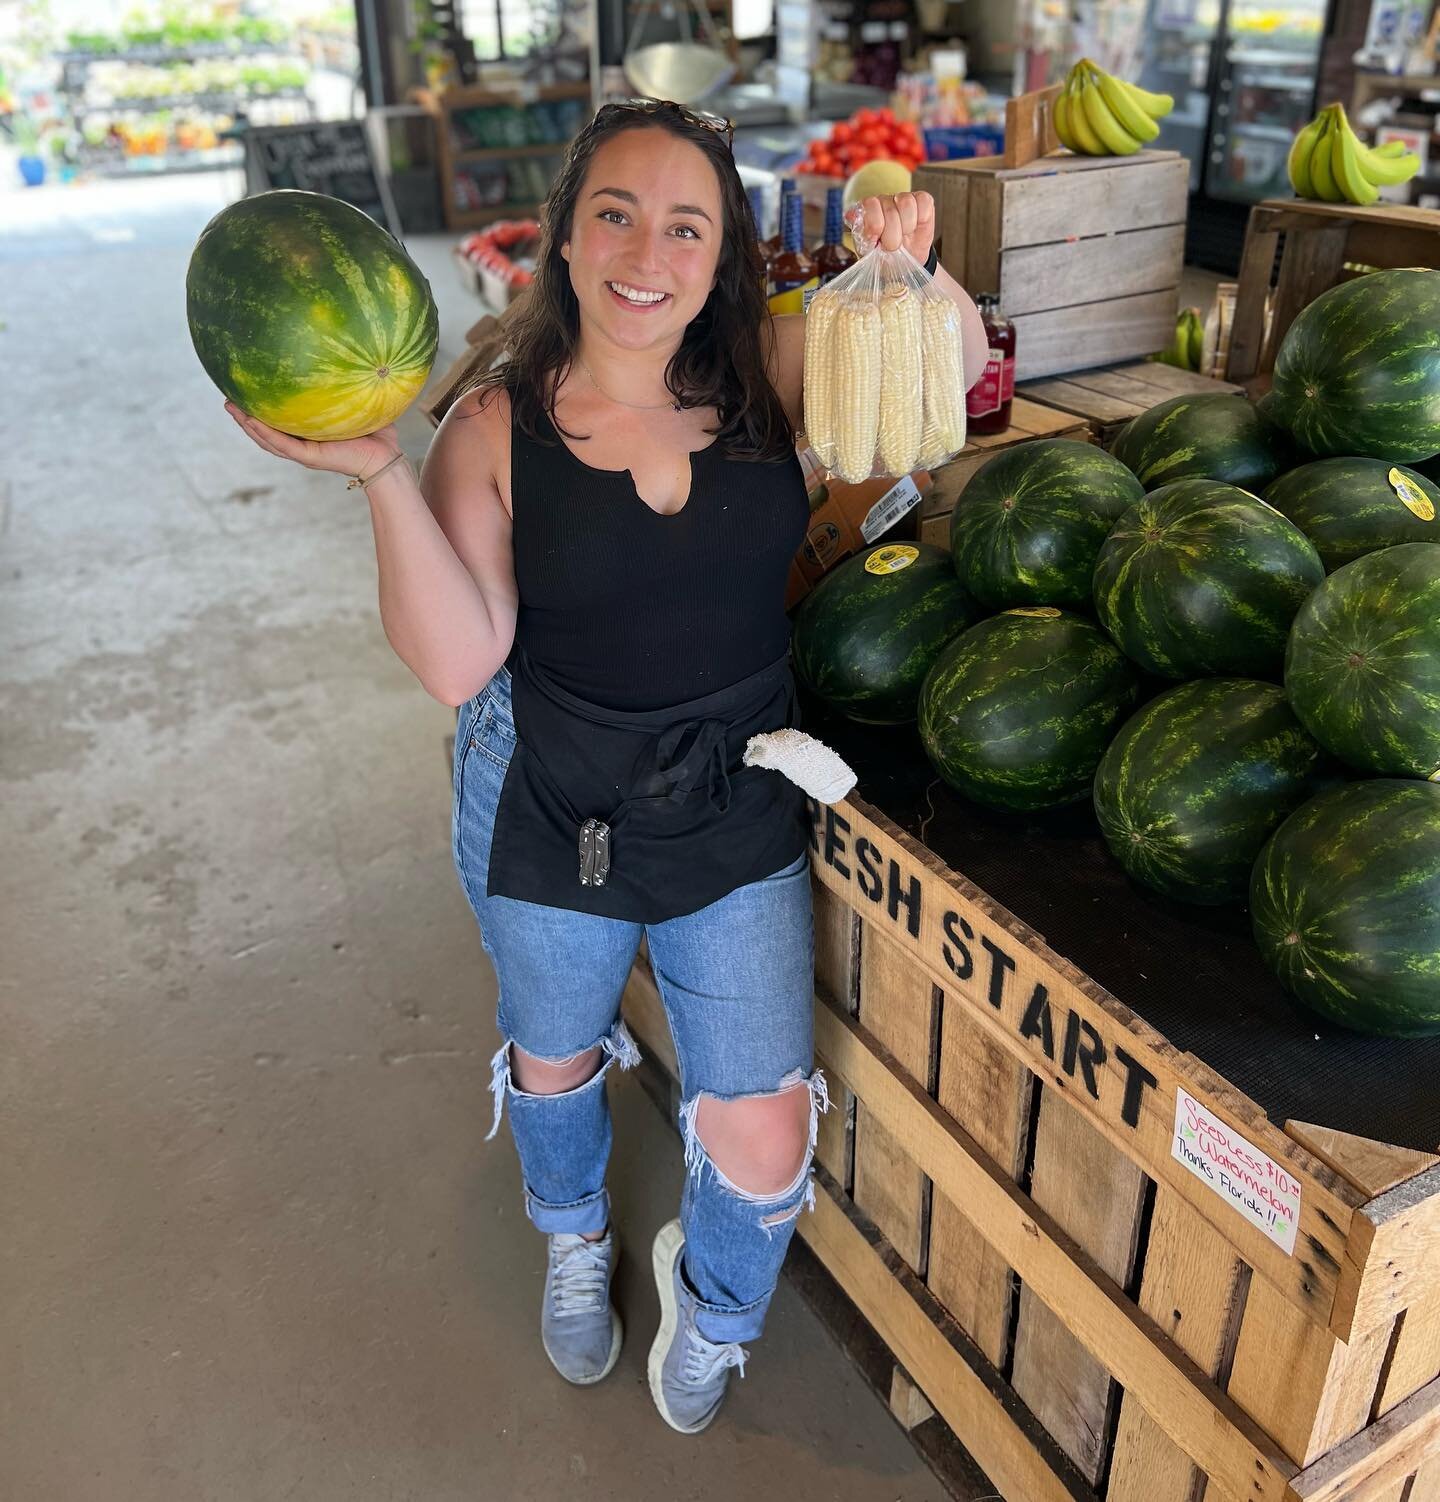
(1000, 1197)
(1107, 398)
(1311, 244)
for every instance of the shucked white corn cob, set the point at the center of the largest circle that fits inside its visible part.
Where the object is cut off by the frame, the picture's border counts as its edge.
(900, 379)
(855, 373)
(819, 389)
(943, 424)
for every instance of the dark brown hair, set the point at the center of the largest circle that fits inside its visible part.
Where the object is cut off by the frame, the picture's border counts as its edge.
(720, 362)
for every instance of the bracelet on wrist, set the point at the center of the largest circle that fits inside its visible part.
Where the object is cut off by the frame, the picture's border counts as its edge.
(363, 480)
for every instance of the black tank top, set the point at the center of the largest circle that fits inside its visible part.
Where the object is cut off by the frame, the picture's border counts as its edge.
(633, 610)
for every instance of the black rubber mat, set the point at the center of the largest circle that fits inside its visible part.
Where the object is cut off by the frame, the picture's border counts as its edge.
(1192, 973)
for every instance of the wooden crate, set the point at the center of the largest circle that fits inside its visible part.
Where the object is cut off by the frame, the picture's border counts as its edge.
(1027, 420)
(1000, 1197)
(1085, 252)
(1310, 244)
(1107, 398)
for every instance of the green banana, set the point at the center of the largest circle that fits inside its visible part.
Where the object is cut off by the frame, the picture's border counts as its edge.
(1299, 163)
(1321, 172)
(1345, 162)
(1083, 131)
(1125, 108)
(1386, 168)
(1154, 105)
(1197, 339)
(1060, 114)
(1116, 139)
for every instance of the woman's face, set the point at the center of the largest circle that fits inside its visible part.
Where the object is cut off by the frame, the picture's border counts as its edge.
(647, 221)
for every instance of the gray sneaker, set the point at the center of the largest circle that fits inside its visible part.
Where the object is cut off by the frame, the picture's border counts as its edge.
(688, 1374)
(580, 1330)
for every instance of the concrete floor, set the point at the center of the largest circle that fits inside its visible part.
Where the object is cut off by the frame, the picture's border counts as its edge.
(252, 1247)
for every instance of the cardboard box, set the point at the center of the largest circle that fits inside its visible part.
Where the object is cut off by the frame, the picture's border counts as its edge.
(846, 519)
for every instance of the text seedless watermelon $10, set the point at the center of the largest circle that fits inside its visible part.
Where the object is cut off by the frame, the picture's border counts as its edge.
(309, 316)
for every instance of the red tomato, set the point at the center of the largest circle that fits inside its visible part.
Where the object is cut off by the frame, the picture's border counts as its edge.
(816, 148)
(863, 118)
(829, 166)
(870, 138)
(885, 116)
(859, 159)
(841, 133)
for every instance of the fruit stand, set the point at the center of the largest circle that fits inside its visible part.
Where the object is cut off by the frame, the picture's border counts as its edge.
(1140, 1190)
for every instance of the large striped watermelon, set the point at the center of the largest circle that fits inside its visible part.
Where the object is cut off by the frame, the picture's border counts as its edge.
(308, 315)
(1348, 507)
(1345, 904)
(1358, 372)
(1363, 664)
(1202, 578)
(1212, 437)
(1197, 780)
(1018, 710)
(1029, 524)
(867, 634)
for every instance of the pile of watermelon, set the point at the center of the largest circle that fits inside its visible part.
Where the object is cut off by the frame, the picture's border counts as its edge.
(1225, 634)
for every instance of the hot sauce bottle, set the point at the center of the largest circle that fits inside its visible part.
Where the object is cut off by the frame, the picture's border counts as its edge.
(776, 243)
(757, 209)
(792, 272)
(987, 405)
(831, 256)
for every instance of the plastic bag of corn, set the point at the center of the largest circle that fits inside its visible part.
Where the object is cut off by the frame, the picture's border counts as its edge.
(884, 379)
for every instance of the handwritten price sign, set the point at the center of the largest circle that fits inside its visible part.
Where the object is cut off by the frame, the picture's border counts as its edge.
(1250, 1181)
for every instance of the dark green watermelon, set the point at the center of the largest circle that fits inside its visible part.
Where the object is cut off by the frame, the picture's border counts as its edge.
(1345, 903)
(1349, 507)
(1213, 437)
(1363, 664)
(866, 635)
(1196, 782)
(1018, 710)
(1029, 524)
(1200, 577)
(1358, 372)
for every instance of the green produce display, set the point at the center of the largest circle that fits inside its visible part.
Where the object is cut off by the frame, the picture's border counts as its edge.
(1197, 780)
(1345, 904)
(1358, 372)
(1028, 526)
(1362, 668)
(308, 315)
(1201, 578)
(1018, 710)
(1212, 437)
(866, 636)
(1349, 507)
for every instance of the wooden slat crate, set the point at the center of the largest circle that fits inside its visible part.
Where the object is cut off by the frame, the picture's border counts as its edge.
(1085, 252)
(1027, 420)
(1002, 1204)
(1314, 241)
(1107, 398)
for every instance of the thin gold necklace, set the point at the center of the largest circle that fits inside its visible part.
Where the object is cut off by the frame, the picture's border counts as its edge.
(638, 406)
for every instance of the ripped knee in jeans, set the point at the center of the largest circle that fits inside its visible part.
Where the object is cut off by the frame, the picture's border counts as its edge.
(755, 1145)
(616, 1047)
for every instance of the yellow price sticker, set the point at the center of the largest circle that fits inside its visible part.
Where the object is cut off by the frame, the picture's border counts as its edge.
(1412, 496)
(891, 559)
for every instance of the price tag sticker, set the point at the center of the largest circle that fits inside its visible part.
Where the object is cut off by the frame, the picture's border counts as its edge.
(1411, 495)
(891, 560)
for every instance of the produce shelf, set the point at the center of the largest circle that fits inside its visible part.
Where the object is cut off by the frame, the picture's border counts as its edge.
(499, 153)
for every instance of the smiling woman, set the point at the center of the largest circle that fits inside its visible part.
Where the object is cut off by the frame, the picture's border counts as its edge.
(593, 572)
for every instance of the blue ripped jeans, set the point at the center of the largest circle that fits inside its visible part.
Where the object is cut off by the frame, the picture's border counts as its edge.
(736, 980)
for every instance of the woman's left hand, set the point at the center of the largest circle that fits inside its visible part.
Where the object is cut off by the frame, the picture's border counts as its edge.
(906, 219)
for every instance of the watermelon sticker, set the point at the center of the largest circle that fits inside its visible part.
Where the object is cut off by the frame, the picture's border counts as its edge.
(1412, 495)
(1048, 612)
(892, 559)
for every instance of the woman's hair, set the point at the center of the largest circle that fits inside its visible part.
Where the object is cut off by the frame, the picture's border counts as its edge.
(720, 362)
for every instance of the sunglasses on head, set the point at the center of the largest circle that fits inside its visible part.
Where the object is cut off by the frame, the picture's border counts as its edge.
(658, 106)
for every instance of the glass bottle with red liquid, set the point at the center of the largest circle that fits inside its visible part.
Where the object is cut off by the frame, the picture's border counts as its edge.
(831, 256)
(987, 404)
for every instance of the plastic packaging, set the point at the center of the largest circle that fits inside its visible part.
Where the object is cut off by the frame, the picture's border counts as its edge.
(884, 375)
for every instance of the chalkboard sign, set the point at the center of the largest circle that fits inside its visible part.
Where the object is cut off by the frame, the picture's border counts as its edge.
(320, 156)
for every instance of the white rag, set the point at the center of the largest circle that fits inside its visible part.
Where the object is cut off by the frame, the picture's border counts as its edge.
(810, 764)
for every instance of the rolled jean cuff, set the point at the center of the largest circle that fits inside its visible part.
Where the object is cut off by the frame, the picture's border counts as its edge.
(580, 1219)
(722, 1325)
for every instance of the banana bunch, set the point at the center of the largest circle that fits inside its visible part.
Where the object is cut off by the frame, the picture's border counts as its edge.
(1186, 347)
(1329, 161)
(1098, 114)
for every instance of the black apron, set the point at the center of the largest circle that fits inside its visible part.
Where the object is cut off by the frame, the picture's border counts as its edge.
(642, 816)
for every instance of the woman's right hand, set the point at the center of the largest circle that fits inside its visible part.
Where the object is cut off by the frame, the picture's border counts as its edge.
(344, 456)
